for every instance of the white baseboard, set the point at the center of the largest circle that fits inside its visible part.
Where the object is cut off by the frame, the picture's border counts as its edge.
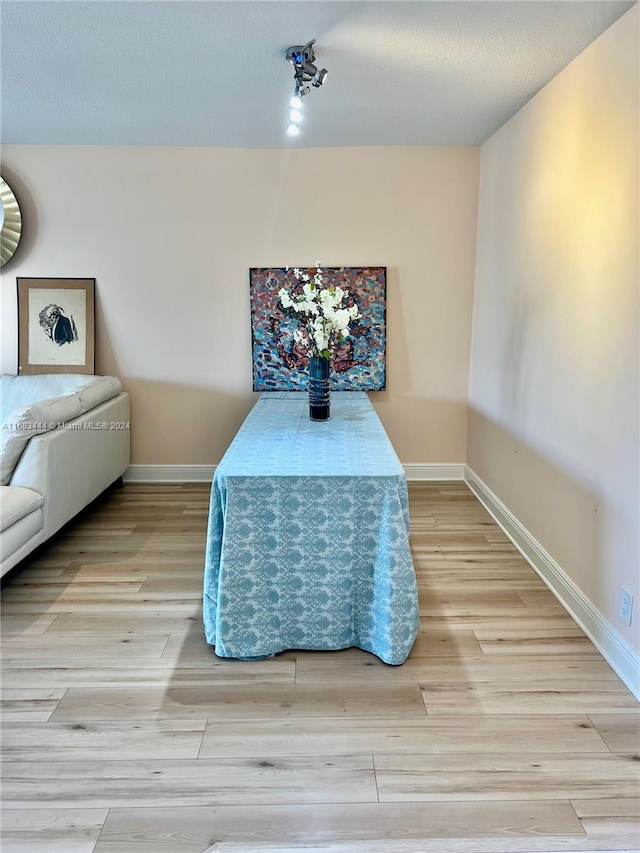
(169, 474)
(204, 473)
(622, 657)
(434, 471)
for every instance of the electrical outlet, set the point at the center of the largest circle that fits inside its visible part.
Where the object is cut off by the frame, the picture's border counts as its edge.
(625, 606)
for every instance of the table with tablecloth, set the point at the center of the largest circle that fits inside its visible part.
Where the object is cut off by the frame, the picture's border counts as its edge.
(308, 535)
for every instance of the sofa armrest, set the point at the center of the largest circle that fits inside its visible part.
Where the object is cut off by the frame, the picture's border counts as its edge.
(71, 466)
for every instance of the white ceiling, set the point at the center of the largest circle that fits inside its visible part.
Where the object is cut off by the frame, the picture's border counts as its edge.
(213, 73)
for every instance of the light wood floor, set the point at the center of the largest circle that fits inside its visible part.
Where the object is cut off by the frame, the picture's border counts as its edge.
(505, 731)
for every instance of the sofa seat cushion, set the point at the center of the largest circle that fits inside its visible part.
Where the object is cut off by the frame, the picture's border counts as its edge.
(22, 514)
(16, 503)
(83, 393)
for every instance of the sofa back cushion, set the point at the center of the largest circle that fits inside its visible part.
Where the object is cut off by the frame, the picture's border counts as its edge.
(37, 414)
(18, 391)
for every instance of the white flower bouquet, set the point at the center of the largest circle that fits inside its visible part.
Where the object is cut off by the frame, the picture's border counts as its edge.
(324, 313)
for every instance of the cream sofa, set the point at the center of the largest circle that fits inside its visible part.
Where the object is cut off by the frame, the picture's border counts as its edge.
(65, 439)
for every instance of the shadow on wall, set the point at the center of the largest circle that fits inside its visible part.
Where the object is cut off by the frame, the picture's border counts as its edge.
(566, 516)
(179, 424)
(517, 368)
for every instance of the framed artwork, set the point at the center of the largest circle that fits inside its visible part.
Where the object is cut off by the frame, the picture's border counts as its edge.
(56, 325)
(278, 365)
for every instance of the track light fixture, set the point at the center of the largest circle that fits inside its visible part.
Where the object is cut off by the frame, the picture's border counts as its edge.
(302, 57)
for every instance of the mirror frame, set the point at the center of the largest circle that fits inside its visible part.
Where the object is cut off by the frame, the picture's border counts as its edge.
(11, 223)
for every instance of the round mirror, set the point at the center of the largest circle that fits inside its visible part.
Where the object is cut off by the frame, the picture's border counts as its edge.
(10, 223)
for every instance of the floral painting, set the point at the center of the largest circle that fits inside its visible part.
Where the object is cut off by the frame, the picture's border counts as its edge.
(280, 362)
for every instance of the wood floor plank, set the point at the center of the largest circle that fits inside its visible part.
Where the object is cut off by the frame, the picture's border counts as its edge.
(56, 647)
(107, 548)
(126, 568)
(121, 623)
(532, 618)
(481, 561)
(620, 815)
(26, 705)
(103, 740)
(134, 673)
(496, 536)
(241, 702)
(574, 844)
(540, 641)
(158, 783)
(101, 521)
(117, 529)
(195, 828)
(448, 587)
(61, 592)
(475, 609)
(412, 778)
(478, 601)
(537, 597)
(28, 572)
(190, 606)
(621, 732)
(353, 666)
(51, 830)
(26, 623)
(340, 736)
(552, 696)
(483, 548)
(48, 559)
(87, 575)
(454, 565)
(437, 536)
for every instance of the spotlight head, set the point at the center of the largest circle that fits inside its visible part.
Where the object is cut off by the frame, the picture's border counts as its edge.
(309, 70)
(319, 76)
(296, 102)
(293, 130)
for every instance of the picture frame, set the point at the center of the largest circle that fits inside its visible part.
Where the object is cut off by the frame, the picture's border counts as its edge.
(276, 364)
(56, 325)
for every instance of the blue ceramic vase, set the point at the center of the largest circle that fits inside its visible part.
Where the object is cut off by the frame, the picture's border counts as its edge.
(319, 400)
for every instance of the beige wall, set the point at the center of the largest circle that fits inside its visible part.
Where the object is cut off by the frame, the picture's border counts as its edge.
(554, 403)
(170, 234)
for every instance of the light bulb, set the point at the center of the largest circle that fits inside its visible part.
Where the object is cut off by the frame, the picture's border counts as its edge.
(295, 103)
(293, 130)
(295, 116)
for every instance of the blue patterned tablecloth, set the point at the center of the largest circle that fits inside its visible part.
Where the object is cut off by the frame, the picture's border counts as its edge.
(308, 537)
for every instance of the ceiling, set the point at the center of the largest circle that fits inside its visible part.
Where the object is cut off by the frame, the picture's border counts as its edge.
(213, 72)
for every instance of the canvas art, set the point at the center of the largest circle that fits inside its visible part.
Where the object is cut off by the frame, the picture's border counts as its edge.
(55, 325)
(279, 364)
